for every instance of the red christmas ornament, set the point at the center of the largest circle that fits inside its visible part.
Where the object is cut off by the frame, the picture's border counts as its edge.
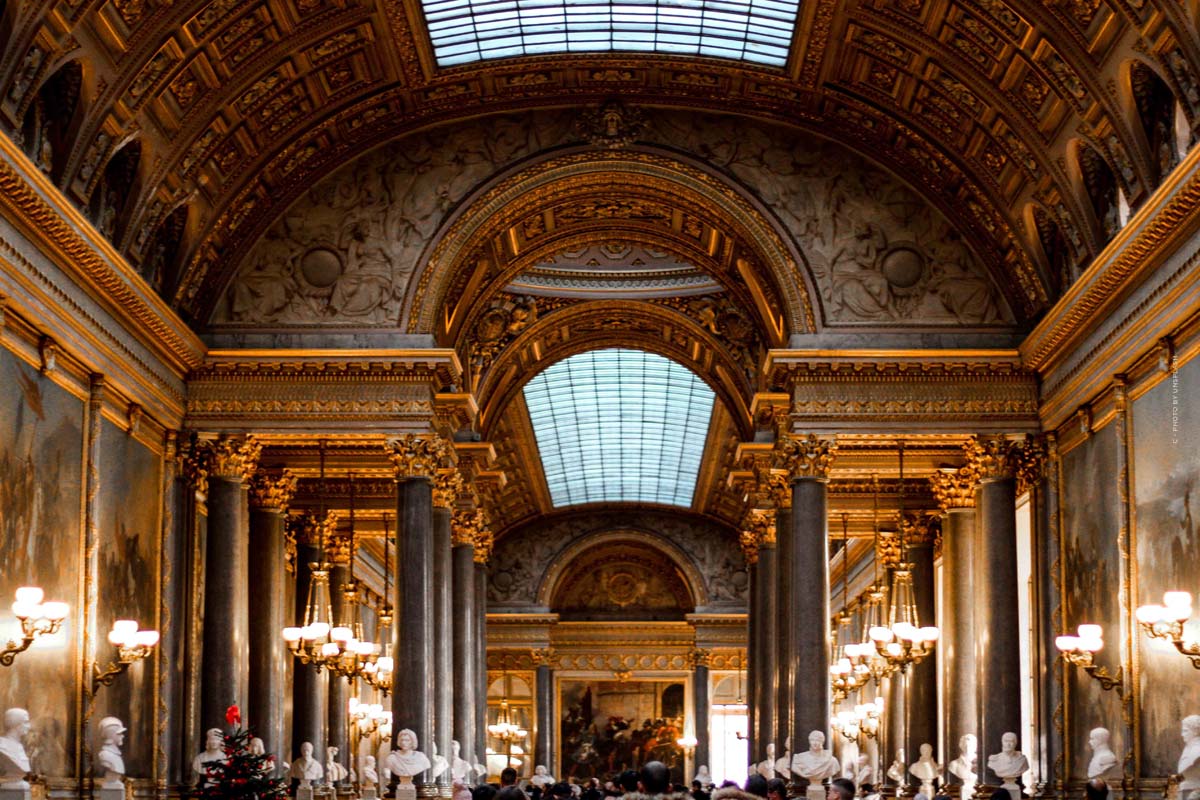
(232, 715)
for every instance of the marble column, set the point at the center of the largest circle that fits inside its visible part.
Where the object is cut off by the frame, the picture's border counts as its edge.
(764, 642)
(921, 697)
(269, 498)
(174, 579)
(777, 678)
(997, 625)
(310, 687)
(701, 709)
(808, 460)
(1048, 603)
(753, 646)
(544, 690)
(337, 710)
(482, 552)
(224, 669)
(194, 508)
(896, 729)
(445, 495)
(955, 493)
(417, 459)
(465, 630)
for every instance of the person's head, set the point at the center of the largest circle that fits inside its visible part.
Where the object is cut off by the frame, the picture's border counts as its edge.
(112, 731)
(560, 790)
(654, 777)
(840, 789)
(776, 789)
(484, 791)
(508, 777)
(728, 784)
(540, 769)
(510, 793)
(868, 788)
(406, 739)
(678, 788)
(306, 749)
(1098, 738)
(628, 780)
(1190, 727)
(1008, 742)
(1096, 789)
(816, 741)
(214, 740)
(756, 784)
(696, 786)
(968, 745)
(16, 722)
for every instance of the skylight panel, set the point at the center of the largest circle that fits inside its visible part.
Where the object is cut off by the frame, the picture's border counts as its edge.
(619, 426)
(758, 31)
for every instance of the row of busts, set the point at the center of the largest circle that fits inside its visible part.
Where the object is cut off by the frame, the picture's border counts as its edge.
(404, 761)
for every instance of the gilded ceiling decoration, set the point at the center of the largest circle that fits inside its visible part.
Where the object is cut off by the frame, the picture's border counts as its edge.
(186, 129)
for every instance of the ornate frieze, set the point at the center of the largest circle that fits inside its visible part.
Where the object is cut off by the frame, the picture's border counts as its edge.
(272, 491)
(808, 456)
(954, 488)
(418, 455)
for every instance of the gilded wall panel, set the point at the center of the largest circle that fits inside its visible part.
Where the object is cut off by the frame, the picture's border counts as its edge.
(1166, 460)
(1091, 563)
(41, 470)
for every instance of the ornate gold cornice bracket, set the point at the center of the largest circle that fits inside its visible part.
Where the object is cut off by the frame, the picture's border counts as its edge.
(455, 411)
(955, 488)
(803, 456)
(234, 458)
(419, 455)
(272, 492)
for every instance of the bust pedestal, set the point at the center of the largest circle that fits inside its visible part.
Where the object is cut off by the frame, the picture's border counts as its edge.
(304, 793)
(815, 791)
(17, 794)
(405, 790)
(110, 793)
(368, 793)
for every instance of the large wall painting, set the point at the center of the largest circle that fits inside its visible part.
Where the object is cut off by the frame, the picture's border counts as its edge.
(1166, 460)
(608, 726)
(1092, 565)
(41, 472)
(128, 510)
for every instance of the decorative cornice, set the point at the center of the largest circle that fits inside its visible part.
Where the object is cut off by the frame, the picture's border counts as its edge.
(234, 458)
(419, 455)
(806, 456)
(955, 489)
(272, 492)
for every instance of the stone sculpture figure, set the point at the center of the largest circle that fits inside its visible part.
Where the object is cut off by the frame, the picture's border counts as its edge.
(783, 764)
(815, 764)
(370, 775)
(14, 761)
(703, 776)
(1189, 759)
(863, 771)
(926, 769)
(897, 771)
(110, 765)
(1104, 760)
(963, 767)
(766, 767)
(406, 760)
(305, 768)
(541, 777)
(258, 748)
(439, 764)
(334, 772)
(1009, 764)
(460, 768)
(214, 750)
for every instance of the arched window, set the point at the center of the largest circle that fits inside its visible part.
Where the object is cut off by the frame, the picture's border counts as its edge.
(161, 263)
(48, 128)
(1100, 186)
(1156, 111)
(116, 190)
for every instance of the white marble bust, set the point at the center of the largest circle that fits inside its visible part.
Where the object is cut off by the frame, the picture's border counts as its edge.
(926, 769)
(259, 748)
(406, 760)
(334, 771)
(703, 776)
(766, 767)
(897, 771)
(460, 768)
(1009, 764)
(370, 775)
(110, 765)
(14, 761)
(863, 772)
(305, 768)
(214, 750)
(963, 767)
(1104, 760)
(783, 764)
(438, 763)
(816, 763)
(1189, 759)
(541, 777)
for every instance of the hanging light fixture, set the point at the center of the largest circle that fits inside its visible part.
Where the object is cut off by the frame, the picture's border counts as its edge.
(864, 656)
(904, 641)
(311, 643)
(505, 729)
(379, 672)
(353, 654)
(845, 676)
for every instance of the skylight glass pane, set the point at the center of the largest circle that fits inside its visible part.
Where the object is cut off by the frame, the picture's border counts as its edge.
(490, 28)
(619, 425)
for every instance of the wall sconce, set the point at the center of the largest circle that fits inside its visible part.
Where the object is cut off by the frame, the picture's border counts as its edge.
(132, 646)
(36, 618)
(1167, 621)
(1079, 650)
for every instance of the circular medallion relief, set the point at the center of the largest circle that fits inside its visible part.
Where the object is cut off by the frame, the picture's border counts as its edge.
(622, 588)
(321, 267)
(491, 325)
(903, 267)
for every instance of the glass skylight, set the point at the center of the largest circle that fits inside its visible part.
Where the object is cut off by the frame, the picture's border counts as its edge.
(619, 425)
(746, 30)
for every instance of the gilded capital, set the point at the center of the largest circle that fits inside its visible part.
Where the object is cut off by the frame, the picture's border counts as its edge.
(888, 550)
(448, 484)
(234, 458)
(313, 531)
(272, 492)
(748, 539)
(955, 489)
(338, 548)
(1031, 462)
(806, 456)
(483, 536)
(761, 522)
(542, 658)
(418, 456)
(197, 463)
(922, 531)
(464, 527)
(993, 457)
(699, 657)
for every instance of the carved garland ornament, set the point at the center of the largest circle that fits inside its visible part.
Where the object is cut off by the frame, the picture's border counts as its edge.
(272, 492)
(806, 456)
(418, 455)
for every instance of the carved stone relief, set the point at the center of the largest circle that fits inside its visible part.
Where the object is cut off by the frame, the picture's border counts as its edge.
(522, 557)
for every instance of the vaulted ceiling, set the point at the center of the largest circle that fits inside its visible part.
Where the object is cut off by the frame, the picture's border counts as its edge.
(185, 128)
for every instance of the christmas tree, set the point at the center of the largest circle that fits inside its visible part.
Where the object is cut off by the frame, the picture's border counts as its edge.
(243, 773)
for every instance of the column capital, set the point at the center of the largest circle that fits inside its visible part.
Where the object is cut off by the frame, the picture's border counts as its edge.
(418, 455)
(464, 526)
(483, 536)
(992, 458)
(544, 657)
(234, 458)
(761, 523)
(312, 529)
(955, 488)
(699, 657)
(887, 552)
(749, 542)
(272, 492)
(196, 464)
(1031, 462)
(922, 530)
(338, 547)
(448, 485)
(805, 456)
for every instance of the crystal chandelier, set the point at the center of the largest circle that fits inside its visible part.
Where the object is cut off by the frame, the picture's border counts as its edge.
(353, 654)
(311, 643)
(378, 673)
(864, 657)
(904, 641)
(845, 674)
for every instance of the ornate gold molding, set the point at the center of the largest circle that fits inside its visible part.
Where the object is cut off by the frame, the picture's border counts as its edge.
(1031, 462)
(993, 457)
(484, 537)
(338, 548)
(272, 492)
(464, 527)
(418, 455)
(806, 456)
(955, 489)
(448, 484)
(749, 544)
(197, 462)
(761, 523)
(234, 458)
